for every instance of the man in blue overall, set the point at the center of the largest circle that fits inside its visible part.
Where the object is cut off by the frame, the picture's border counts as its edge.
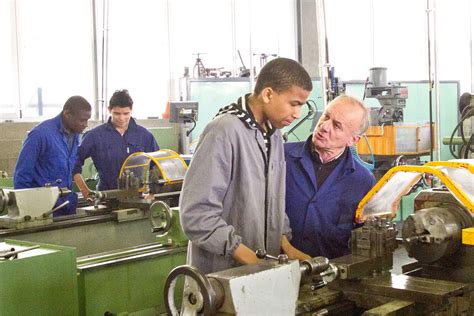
(50, 150)
(324, 183)
(111, 143)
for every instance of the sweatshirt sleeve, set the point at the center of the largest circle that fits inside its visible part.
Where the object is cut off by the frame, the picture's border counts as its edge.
(204, 189)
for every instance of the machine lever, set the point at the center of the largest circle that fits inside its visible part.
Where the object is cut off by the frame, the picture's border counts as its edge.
(55, 209)
(12, 253)
(262, 254)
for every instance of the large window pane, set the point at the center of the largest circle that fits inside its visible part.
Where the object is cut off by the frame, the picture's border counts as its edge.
(55, 54)
(9, 106)
(138, 54)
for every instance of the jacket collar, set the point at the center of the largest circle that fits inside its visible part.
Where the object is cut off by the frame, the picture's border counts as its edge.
(242, 110)
(303, 152)
(131, 125)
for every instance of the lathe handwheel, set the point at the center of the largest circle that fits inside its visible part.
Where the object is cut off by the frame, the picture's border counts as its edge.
(160, 211)
(204, 301)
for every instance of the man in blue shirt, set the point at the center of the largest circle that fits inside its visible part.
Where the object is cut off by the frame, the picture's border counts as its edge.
(111, 143)
(50, 150)
(324, 183)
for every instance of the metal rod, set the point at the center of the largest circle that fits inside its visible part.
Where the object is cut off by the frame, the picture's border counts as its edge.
(9, 253)
(46, 214)
(105, 55)
(322, 44)
(17, 56)
(95, 65)
(436, 85)
(252, 75)
(430, 81)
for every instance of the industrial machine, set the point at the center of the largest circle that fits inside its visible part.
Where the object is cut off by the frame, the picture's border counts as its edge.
(392, 97)
(184, 112)
(389, 140)
(269, 288)
(465, 129)
(439, 235)
(29, 207)
(126, 240)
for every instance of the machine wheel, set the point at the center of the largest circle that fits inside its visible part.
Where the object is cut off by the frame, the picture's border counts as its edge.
(201, 299)
(160, 217)
(3, 202)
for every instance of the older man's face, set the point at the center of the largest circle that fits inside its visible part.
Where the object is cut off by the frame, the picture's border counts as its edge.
(337, 126)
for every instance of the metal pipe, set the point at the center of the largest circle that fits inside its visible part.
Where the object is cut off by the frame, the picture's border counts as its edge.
(95, 66)
(436, 83)
(430, 81)
(234, 38)
(322, 50)
(17, 54)
(105, 56)
(252, 75)
(40, 101)
(170, 71)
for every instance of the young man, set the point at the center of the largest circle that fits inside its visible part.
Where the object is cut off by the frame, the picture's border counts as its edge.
(50, 150)
(324, 183)
(111, 143)
(233, 196)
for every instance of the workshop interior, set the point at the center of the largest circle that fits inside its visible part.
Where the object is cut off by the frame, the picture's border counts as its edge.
(124, 253)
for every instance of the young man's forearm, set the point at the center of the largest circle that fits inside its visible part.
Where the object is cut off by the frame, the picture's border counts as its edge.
(291, 251)
(81, 184)
(245, 255)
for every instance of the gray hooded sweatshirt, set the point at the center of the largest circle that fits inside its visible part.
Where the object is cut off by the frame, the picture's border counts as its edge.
(234, 191)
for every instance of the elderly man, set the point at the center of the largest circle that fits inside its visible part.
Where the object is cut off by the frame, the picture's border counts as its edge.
(324, 183)
(50, 150)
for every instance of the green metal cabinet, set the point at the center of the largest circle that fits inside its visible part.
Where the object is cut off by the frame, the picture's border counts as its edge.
(131, 286)
(42, 281)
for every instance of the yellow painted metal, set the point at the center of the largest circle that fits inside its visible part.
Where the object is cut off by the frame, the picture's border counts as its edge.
(430, 168)
(171, 155)
(468, 236)
(384, 140)
(452, 164)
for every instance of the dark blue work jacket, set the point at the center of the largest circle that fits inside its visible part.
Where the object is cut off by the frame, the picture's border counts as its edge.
(45, 158)
(108, 150)
(322, 218)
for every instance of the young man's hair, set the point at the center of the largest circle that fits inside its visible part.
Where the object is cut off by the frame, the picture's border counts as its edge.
(75, 104)
(122, 99)
(281, 74)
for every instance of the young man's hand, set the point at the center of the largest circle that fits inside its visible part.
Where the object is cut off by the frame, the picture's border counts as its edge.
(291, 251)
(245, 255)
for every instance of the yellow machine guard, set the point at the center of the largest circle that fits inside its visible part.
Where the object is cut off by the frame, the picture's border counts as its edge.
(383, 199)
(171, 166)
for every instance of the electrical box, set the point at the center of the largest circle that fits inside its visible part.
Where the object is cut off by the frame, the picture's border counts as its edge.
(183, 111)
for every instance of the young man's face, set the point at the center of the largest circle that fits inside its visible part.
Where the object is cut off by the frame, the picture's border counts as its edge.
(337, 126)
(120, 117)
(76, 122)
(282, 108)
